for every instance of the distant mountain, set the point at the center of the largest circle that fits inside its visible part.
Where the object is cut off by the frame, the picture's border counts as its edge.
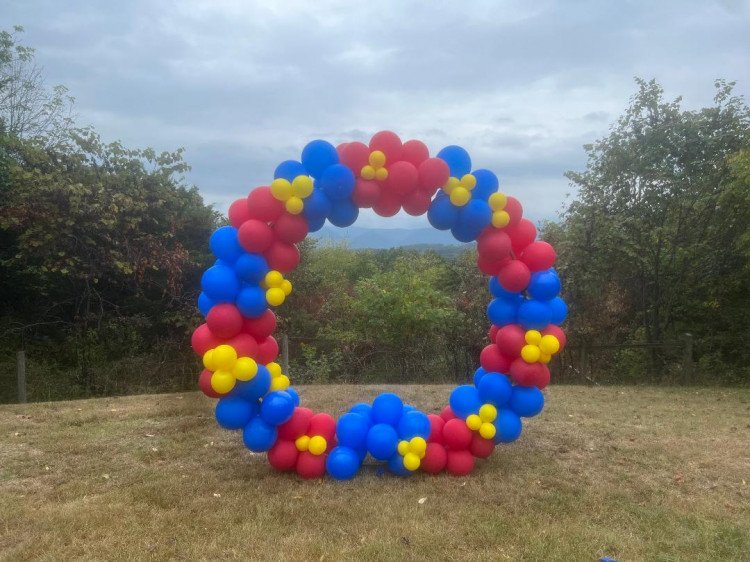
(380, 238)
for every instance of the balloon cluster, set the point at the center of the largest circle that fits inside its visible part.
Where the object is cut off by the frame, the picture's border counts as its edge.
(258, 248)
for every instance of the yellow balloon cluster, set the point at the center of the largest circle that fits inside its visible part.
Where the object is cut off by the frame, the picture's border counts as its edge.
(279, 381)
(292, 193)
(316, 444)
(459, 190)
(277, 288)
(376, 169)
(413, 452)
(539, 348)
(227, 368)
(482, 422)
(497, 202)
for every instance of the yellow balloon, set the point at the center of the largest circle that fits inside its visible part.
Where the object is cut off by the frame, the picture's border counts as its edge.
(318, 445)
(460, 196)
(274, 278)
(381, 174)
(208, 360)
(367, 173)
(281, 189)
(403, 447)
(545, 358)
(474, 422)
(294, 205)
(275, 369)
(302, 186)
(530, 353)
(280, 383)
(497, 201)
(275, 296)
(500, 219)
(451, 184)
(487, 431)
(302, 443)
(245, 369)
(549, 344)
(376, 159)
(286, 286)
(224, 357)
(533, 337)
(468, 181)
(488, 413)
(411, 462)
(222, 382)
(418, 446)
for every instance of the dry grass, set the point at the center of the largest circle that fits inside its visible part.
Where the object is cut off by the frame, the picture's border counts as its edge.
(632, 473)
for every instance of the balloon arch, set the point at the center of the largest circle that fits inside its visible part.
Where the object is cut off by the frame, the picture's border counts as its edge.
(258, 250)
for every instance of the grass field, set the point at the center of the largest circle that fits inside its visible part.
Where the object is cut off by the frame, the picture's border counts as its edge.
(631, 473)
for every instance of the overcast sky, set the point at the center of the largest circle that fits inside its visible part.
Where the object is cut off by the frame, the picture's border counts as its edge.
(244, 85)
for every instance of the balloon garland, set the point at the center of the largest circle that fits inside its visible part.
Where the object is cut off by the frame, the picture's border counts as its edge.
(259, 248)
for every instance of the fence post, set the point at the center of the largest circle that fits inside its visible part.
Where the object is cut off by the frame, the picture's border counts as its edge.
(687, 365)
(285, 354)
(21, 368)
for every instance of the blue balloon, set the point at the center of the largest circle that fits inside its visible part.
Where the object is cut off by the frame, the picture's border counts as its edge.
(343, 463)
(558, 311)
(465, 233)
(495, 389)
(317, 206)
(317, 156)
(252, 301)
(534, 314)
(414, 424)
(458, 160)
(387, 408)
(497, 290)
(364, 410)
(476, 214)
(220, 283)
(464, 401)
(289, 169)
(277, 407)
(351, 430)
(205, 304)
(478, 374)
(502, 312)
(442, 214)
(382, 441)
(294, 394)
(508, 426)
(258, 435)
(526, 401)
(343, 213)
(225, 245)
(256, 387)
(337, 182)
(251, 268)
(315, 224)
(396, 466)
(407, 408)
(487, 184)
(234, 412)
(544, 285)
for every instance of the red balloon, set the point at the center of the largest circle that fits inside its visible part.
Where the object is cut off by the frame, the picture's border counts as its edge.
(311, 466)
(255, 236)
(494, 361)
(204, 382)
(436, 428)
(510, 340)
(282, 256)
(366, 193)
(324, 425)
(489, 267)
(402, 178)
(263, 206)
(202, 340)
(224, 321)
(238, 212)
(283, 455)
(447, 414)
(268, 351)
(515, 211)
(556, 331)
(415, 152)
(291, 228)
(460, 463)
(416, 203)
(539, 256)
(260, 327)
(542, 377)
(521, 235)
(388, 204)
(526, 374)
(514, 276)
(297, 425)
(354, 155)
(494, 245)
(433, 174)
(456, 434)
(481, 447)
(434, 459)
(389, 144)
(245, 345)
(493, 332)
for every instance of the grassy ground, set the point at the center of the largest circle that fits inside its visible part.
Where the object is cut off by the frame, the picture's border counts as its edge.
(631, 473)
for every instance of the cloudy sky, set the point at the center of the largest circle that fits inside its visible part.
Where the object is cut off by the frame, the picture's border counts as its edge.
(243, 85)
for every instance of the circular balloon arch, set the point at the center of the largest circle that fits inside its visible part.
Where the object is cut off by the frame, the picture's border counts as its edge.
(254, 254)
